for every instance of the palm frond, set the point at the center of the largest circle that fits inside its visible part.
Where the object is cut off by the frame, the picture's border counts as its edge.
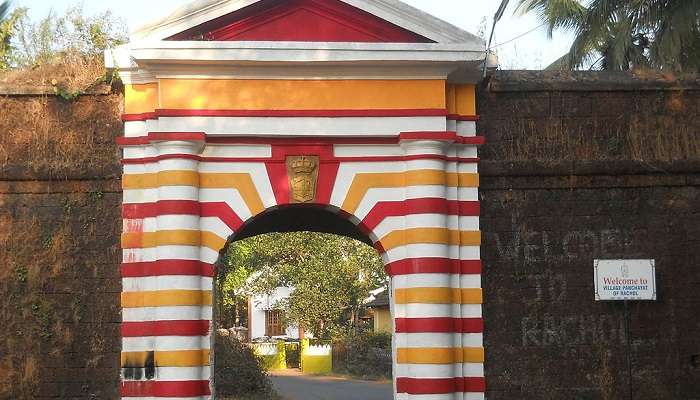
(625, 34)
(556, 14)
(4, 9)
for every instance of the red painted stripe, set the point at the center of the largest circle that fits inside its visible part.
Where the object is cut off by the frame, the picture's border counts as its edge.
(139, 117)
(409, 158)
(329, 21)
(472, 140)
(443, 136)
(419, 386)
(162, 207)
(165, 268)
(133, 141)
(277, 173)
(170, 136)
(457, 117)
(224, 212)
(429, 112)
(165, 328)
(410, 266)
(150, 160)
(419, 206)
(183, 207)
(165, 389)
(465, 140)
(161, 137)
(439, 325)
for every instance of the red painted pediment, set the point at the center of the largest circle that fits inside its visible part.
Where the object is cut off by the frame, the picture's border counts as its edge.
(301, 21)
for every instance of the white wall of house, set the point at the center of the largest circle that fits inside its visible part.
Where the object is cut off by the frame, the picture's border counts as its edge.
(262, 303)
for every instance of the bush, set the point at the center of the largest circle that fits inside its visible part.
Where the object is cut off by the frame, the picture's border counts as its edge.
(65, 51)
(238, 372)
(365, 355)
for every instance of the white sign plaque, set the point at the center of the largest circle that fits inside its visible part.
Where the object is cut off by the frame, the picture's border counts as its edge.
(625, 280)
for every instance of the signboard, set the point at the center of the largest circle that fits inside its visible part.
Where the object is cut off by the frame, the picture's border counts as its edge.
(625, 280)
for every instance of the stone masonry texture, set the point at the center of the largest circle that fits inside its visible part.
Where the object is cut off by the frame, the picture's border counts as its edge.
(581, 167)
(60, 223)
(577, 167)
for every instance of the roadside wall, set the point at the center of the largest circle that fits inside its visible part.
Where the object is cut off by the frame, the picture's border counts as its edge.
(579, 167)
(60, 197)
(576, 167)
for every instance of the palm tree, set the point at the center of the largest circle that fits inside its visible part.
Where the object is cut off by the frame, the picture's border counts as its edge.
(625, 34)
(4, 8)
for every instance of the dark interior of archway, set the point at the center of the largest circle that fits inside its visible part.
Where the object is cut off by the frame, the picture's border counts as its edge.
(298, 218)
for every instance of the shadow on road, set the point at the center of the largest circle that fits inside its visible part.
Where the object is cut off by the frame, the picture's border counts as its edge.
(292, 385)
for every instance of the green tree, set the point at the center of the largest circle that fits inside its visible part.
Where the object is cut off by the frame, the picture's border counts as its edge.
(625, 34)
(9, 22)
(331, 275)
(56, 37)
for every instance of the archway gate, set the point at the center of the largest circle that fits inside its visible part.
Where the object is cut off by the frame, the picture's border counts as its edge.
(365, 108)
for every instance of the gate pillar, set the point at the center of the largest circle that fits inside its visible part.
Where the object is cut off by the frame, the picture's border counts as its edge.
(167, 272)
(435, 276)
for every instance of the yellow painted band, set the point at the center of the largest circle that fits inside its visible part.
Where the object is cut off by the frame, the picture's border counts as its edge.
(451, 98)
(177, 358)
(364, 181)
(231, 94)
(430, 236)
(242, 182)
(141, 240)
(438, 295)
(239, 181)
(439, 355)
(139, 99)
(212, 241)
(165, 298)
(462, 180)
(465, 99)
(164, 178)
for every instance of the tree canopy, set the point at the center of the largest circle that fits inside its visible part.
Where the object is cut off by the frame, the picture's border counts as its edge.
(625, 34)
(27, 44)
(330, 275)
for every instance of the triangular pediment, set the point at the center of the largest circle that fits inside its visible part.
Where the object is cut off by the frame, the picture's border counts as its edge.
(370, 21)
(301, 21)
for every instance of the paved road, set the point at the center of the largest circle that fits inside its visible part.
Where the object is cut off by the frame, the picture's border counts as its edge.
(294, 386)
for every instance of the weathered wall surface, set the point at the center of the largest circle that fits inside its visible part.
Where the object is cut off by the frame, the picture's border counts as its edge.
(60, 220)
(574, 170)
(577, 168)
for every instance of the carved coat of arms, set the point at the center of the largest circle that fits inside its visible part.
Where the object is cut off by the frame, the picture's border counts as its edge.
(303, 175)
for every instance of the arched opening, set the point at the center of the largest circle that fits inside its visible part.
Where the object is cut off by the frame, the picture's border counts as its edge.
(307, 312)
(301, 218)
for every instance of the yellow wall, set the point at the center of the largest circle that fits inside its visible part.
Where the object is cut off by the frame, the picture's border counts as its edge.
(227, 94)
(139, 99)
(382, 320)
(461, 100)
(315, 364)
(231, 94)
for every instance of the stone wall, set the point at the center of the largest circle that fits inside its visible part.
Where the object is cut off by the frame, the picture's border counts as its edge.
(60, 197)
(577, 167)
(580, 167)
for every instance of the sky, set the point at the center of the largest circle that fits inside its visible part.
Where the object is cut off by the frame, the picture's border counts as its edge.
(520, 40)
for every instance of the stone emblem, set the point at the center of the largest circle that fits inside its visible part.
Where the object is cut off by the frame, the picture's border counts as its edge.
(303, 175)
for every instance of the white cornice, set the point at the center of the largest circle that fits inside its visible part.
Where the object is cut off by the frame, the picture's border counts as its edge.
(137, 77)
(292, 60)
(297, 52)
(417, 21)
